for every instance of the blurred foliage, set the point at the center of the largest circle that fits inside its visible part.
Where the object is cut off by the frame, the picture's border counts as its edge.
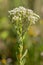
(34, 37)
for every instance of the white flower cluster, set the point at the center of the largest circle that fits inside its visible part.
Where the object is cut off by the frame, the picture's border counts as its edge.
(27, 16)
(21, 11)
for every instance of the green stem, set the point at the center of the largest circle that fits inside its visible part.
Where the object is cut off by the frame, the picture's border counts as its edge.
(20, 48)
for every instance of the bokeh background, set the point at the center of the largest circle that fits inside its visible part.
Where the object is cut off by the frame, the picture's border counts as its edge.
(34, 37)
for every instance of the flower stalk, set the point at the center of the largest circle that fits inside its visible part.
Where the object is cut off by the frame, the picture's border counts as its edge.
(21, 19)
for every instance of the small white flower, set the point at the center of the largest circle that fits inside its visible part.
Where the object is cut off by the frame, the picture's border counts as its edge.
(36, 15)
(41, 54)
(22, 8)
(30, 11)
(32, 19)
(15, 18)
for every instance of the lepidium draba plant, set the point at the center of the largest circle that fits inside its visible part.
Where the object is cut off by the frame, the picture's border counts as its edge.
(21, 20)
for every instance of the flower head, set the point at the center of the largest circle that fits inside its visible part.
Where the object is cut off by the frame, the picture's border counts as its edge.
(24, 16)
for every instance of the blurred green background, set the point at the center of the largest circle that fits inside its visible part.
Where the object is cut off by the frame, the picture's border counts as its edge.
(34, 37)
